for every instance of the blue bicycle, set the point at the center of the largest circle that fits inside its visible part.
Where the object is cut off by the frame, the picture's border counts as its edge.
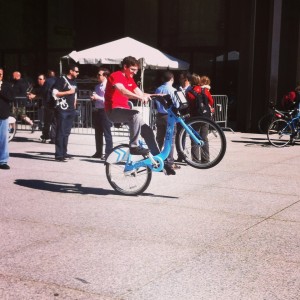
(286, 131)
(200, 141)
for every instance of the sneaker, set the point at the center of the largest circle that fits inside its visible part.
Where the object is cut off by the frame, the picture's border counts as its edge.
(169, 170)
(33, 128)
(179, 159)
(60, 159)
(4, 167)
(96, 155)
(139, 151)
(176, 167)
(68, 156)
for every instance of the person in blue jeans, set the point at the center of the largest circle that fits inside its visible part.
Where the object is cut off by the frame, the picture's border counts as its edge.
(6, 96)
(65, 91)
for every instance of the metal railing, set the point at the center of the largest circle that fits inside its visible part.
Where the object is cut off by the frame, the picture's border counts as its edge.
(83, 123)
(221, 110)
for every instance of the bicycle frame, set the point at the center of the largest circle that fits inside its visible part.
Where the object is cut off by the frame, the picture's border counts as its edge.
(156, 162)
(293, 124)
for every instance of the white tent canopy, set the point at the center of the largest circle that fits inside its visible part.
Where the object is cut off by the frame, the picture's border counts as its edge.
(114, 52)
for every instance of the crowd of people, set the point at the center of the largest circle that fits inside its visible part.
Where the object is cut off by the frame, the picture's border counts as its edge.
(110, 105)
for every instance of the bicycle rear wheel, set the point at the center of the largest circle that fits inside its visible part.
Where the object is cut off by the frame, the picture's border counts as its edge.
(265, 121)
(12, 128)
(127, 183)
(280, 133)
(207, 155)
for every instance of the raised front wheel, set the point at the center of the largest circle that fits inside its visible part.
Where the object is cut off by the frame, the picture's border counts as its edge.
(132, 182)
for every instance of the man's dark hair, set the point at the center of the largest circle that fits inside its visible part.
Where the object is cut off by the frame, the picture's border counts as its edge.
(129, 61)
(50, 73)
(72, 67)
(186, 75)
(105, 71)
(167, 76)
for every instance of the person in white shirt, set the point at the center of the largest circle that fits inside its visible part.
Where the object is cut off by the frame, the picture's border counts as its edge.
(101, 123)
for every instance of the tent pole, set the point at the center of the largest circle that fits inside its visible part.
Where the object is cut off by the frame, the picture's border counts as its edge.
(142, 74)
(60, 67)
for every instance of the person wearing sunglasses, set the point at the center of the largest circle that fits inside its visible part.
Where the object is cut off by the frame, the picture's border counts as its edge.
(119, 88)
(65, 90)
(100, 121)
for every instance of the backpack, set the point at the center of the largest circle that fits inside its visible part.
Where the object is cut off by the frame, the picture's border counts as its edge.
(290, 100)
(202, 107)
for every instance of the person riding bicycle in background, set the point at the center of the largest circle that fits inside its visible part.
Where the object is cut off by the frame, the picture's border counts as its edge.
(292, 99)
(119, 88)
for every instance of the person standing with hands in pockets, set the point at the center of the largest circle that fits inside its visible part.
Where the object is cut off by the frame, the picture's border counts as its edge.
(65, 92)
(101, 122)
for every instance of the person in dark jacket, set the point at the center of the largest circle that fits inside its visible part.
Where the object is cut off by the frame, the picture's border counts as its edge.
(6, 96)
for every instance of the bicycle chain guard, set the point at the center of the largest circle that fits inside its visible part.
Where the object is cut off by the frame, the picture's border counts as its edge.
(157, 163)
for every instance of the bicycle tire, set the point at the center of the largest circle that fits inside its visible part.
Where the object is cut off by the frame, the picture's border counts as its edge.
(126, 183)
(213, 150)
(12, 128)
(279, 133)
(265, 121)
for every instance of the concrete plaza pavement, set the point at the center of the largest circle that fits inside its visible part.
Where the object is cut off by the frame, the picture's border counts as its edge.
(230, 232)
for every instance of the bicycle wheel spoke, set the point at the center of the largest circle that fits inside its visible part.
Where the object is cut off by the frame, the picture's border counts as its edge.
(126, 182)
(208, 154)
(279, 133)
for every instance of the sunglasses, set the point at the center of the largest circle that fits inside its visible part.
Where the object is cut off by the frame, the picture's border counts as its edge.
(76, 71)
(100, 75)
(40, 78)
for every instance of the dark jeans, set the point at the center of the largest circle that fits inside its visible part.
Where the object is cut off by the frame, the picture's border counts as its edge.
(49, 128)
(64, 121)
(161, 126)
(102, 127)
(201, 154)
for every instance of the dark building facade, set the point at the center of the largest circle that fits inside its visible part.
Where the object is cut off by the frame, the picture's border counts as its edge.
(250, 48)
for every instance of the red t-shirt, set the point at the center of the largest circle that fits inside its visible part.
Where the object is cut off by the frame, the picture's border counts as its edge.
(113, 98)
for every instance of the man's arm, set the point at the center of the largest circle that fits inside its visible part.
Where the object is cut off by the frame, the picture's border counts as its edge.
(138, 94)
(57, 94)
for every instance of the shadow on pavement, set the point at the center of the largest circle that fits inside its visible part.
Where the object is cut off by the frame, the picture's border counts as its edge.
(260, 142)
(30, 156)
(45, 156)
(62, 187)
(74, 188)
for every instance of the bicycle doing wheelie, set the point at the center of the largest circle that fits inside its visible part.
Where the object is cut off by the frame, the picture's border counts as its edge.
(131, 174)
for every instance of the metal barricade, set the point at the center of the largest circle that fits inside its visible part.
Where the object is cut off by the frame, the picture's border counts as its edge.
(83, 123)
(221, 108)
(22, 106)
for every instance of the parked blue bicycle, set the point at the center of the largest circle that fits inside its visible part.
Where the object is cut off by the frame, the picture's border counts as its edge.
(282, 132)
(201, 143)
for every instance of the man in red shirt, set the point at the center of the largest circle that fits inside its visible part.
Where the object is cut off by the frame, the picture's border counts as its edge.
(119, 88)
